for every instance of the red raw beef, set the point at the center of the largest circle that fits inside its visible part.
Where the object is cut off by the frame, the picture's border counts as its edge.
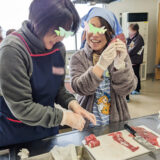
(94, 143)
(149, 136)
(90, 138)
(117, 136)
(91, 141)
(120, 36)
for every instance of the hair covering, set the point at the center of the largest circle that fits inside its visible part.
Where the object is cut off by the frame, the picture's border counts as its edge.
(105, 14)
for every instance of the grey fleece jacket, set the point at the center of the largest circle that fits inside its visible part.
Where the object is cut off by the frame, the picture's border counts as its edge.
(15, 72)
(85, 82)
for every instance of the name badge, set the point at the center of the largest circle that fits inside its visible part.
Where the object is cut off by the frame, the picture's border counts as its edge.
(58, 70)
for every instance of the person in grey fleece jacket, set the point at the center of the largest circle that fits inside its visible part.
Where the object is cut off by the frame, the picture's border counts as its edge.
(103, 95)
(32, 76)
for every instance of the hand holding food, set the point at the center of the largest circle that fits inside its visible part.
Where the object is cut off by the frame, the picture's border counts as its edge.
(107, 56)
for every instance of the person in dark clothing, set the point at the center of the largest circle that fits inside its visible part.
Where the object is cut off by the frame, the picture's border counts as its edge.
(1, 37)
(135, 45)
(32, 71)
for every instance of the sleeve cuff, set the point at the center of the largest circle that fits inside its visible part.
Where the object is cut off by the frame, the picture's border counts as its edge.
(94, 76)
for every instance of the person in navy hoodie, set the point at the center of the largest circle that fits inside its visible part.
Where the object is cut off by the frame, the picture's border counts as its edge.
(32, 62)
(135, 46)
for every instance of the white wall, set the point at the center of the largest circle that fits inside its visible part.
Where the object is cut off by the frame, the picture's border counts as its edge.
(13, 13)
(149, 6)
(158, 2)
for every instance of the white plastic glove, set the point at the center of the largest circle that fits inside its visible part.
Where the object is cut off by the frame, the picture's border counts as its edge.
(64, 153)
(76, 108)
(24, 153)
(73, 120)
(107, 56)
(121, 54)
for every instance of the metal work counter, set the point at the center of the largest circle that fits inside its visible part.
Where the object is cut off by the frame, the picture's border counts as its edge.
(76, 137)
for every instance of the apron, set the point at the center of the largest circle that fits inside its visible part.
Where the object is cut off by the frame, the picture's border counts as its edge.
(46, 79)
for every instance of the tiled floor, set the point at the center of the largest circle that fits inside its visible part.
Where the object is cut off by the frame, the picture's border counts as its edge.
(148, 102)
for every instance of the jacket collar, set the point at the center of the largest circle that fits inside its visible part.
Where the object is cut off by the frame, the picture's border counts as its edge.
(35, 44)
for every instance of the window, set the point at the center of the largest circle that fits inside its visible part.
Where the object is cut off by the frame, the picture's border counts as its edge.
(13, 13)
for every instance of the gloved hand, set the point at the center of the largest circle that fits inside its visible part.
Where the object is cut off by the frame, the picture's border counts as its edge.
(73, 120)
(76, 108)
(121, 54)
(107, 56)
(122, 49)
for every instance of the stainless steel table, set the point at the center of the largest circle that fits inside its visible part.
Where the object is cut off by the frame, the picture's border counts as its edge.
(76, 137)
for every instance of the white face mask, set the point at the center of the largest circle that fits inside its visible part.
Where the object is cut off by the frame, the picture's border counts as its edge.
(132, 33)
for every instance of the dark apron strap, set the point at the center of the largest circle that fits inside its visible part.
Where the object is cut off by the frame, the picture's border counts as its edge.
(28, 49)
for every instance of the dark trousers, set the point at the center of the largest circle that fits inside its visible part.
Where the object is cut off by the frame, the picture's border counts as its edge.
(136, 69)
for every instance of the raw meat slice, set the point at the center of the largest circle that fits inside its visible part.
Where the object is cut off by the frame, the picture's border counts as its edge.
(117, 136)
(120, 36)
(149, 136)
(90, 138)
(91, 141)
(94, 143)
